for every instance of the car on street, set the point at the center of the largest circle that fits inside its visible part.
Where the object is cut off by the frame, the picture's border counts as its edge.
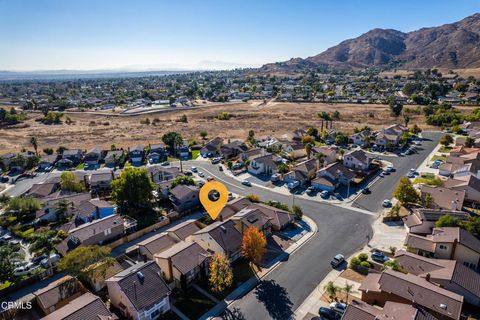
(410, 175)
(324, 194)
(436, 164)
(216, 160)
(201, 174)
(194, 169)
(338, 196)
(220, 168)
(188, 173)
(386, 203)
(379, 256)
(210, 178)
(166, 163)
(4, 179)
(366, 190)
(310, 190)
(326, 313)
(338, 306)
(337, 260)
(247, 183)
(390, 168)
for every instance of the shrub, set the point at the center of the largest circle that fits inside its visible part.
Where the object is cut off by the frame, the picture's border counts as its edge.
(365, 264)
(355, 263)
(224, 116)
(253, 198)
(363, 257)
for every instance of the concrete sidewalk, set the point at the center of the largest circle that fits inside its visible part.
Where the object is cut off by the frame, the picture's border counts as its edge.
(253, 281)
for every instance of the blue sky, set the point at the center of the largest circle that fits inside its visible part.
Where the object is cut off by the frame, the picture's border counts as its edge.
(106, 34)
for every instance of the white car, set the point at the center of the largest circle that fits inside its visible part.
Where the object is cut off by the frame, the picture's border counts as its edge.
(201, 174)
(338, 306)
(386, 203)
(247, 183)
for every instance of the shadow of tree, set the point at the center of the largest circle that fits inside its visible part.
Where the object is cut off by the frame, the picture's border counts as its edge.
(275, 299)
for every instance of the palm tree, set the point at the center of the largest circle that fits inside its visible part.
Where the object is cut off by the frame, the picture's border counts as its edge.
(331, 289)
(320, 158)
(34, 143)
(63, 207)
(347, 289)
(308, 149)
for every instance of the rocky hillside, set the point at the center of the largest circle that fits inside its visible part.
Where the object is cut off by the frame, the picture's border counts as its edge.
(455, 45)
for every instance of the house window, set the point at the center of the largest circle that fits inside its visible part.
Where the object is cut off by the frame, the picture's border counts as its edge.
(107, 232)
(155, 314)
(442, 247)
(469, 265)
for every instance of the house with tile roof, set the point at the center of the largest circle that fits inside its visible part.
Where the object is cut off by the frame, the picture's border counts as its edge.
(357, 160)
(184, 263)
(447, 243)
(155, 244)
(443, 197)
(469, 184)
(378, 288)
(303, 172)
(449, 274)
(360, 310)
(184, 198)
(220, 237)
(86, 307)
(58, 293)
(252, 217)
(140, 292)
(184, 229)
(422, 221)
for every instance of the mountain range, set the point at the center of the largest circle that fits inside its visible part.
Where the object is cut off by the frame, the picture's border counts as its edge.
(453, 46)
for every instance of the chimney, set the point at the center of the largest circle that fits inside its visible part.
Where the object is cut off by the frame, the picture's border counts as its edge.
(427, 277)
(97, 212)
(170, 268)
(221, 218)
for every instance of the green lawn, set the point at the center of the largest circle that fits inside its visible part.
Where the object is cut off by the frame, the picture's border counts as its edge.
(5, 285)
(193, 304)
(195, 154)
(444, 149)
(437, 157)
(81, 166)
(430, 180)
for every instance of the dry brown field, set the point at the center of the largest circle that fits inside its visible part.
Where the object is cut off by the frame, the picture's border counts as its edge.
(275, 118)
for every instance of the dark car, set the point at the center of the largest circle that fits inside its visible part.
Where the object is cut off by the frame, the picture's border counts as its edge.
(366, 190)
(337, 260)
(326, 313)
(379, 257)
(4, 179)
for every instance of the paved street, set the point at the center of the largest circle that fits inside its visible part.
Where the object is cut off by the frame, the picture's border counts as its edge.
(384, 187)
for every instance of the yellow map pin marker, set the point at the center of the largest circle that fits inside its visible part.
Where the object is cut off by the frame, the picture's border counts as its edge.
(213, 207)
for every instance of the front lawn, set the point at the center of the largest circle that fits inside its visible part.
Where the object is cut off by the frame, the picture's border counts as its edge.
(5, 285)
(429, 179)
(193, 304)
(195, 154)
(444, 149)
(437, 157)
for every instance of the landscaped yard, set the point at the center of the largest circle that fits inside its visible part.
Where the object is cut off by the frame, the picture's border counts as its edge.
(429, 179)
(195, 154)
(444, 149)
(438, 157)
(193, 304)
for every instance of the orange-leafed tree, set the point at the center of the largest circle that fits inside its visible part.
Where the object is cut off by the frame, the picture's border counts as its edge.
(221, 275)
(253, 244)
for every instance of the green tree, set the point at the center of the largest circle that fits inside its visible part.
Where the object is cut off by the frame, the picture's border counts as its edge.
(221, 274)
(405, 192)
(172, 140)
(348, 288)
(253, 198)
(331, 290)
(282, 168)
(6, 266)
(186, 180)
(415, 129)
(469, 142)
(43, 242)
(132, 191)
(446, 140)
(448, 221)
(395, 107)
(183, 118)
(203, 134)
(312, 132)
(48, 151)
(297, 212)
(23, 207)
(393, 265)
(34, 143)
(308, 150)
(62, 208)
(320, 158)
(70, 182)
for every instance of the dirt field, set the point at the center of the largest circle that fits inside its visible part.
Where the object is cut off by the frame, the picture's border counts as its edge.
(463, 73)
(275, 119)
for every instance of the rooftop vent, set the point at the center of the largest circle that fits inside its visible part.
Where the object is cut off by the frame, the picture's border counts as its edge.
(140, 277)
(223, 229)
(443, 306)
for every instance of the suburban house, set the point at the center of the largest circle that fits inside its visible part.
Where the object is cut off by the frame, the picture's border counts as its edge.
(329, 154)
(114, 158)
(73, 155)
(212, 147)
(86, 307)
(47, 162)
(332, 176)
(93, 157)
(220, 237)
(184, 229)
(442, 197)
(183, 263)
(232, 207)
(157, 153)
(468, 184)
(303, 172)
(58, 293)
(447, 243)
(184, 198)
(136, 155)
(97, 274)
(378, 288)
(139, 292)
(357, 160)
(279, 219)
(48, 212)
(97, 232)
(155, 244)
(360, 310)
(233, 149)
(102, 181)
(159, 174)
(422, 221)
(266, 164)
(293, 149)
(252, 217)
(448, 274)
(42, 190)
(362, 138)
(252, 154)
(6, 159)
(184, 151)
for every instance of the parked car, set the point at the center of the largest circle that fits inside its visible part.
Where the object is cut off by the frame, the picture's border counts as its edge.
(4, 179)
(201, 174)
(379, 256)
(188, 173)
(410, 175)
(337, 260)
(324, 194)
(338, 306)
(387, 203)
(166, 163)
(326, 313)
(194, 169)
(215, 160)
(310, 190)
(436, 164)
(366, 190)
(220, 168)
(210, 178)
(247, 183)
(338, 196)
(390, 168)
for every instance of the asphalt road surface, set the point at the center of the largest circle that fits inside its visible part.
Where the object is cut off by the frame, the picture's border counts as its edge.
(385, 186)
